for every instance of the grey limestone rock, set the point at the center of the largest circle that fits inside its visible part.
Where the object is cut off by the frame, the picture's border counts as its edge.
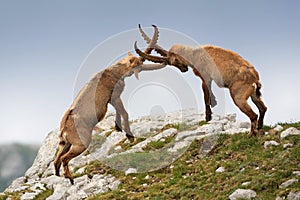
(242, 194)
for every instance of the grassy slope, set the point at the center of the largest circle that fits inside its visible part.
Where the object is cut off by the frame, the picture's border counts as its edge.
(190, 177)
(245, 160)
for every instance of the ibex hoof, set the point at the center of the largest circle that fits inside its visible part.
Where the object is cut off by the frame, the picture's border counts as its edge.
(208, 117)
(252, 133)
(261, 132)
(118, 128)
(71, 180)
(130, 137)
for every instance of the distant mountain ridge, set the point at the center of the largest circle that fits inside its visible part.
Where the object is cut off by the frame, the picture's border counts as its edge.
(15, 160)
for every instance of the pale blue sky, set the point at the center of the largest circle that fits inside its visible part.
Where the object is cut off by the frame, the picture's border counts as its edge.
(44, 43)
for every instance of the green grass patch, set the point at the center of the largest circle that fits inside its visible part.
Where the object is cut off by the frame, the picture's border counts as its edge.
(17, 195)
(266, 128)
(203, 122)
(179, 126)
(125, 146)
(43, 195)
(98, 167)
(12, 196)
(3, 197)
(190, 177)
(154, 145)
(143, 161)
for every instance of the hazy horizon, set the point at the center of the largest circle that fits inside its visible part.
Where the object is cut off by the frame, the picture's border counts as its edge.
(45, 46)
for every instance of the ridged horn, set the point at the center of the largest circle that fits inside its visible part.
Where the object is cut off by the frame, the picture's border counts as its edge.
(155, 59)
(156, 47)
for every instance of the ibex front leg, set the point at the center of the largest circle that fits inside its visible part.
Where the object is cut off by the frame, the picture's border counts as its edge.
(118, 122)
(209, 97)
(118, 105)
(207, 101)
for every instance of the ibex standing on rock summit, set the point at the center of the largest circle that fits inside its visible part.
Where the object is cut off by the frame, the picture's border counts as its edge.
(90, 107)
(226, 68)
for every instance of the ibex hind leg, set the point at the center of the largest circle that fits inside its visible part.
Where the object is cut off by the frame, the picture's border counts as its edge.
(240, 93)
(74, 151)
(63, 149)
(262, 110)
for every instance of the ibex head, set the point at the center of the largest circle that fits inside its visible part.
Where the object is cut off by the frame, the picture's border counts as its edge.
(168, 57)
(131, 64)
(134, 63)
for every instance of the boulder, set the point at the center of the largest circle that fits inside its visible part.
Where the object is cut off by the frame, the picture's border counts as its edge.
(294, 196)
(289, 132)
(278, 128)
(270, 143)
(242, 194)
(220, 170)
(131, 171)
(288, 183)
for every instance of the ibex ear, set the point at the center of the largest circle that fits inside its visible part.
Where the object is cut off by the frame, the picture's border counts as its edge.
(130, 54)
(136, 73)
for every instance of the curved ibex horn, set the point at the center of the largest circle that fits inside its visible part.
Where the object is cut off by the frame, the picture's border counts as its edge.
(156, 47)
(152, 42)
(155, 59)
